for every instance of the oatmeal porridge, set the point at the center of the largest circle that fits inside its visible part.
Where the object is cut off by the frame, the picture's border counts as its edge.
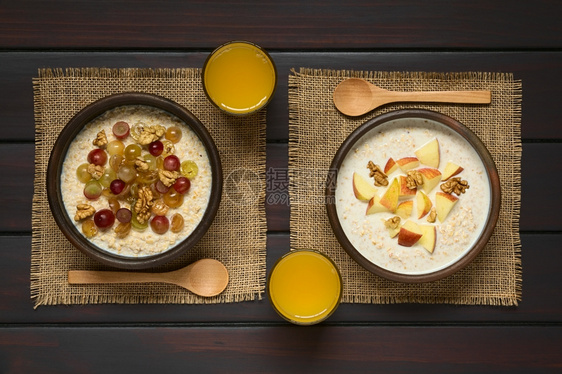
(412, 196)
(136, 181)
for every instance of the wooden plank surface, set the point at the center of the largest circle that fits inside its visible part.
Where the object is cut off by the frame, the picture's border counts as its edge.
(381, 349)
(16, 161)
(541, 302)
(288, 24)
(535, 69)
(524, 38)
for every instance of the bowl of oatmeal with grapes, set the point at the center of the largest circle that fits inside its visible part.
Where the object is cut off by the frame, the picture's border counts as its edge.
(413, 195)
(134, 180)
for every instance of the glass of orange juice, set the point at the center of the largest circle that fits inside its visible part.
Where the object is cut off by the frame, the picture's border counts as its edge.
(239, 77)
(305, 287)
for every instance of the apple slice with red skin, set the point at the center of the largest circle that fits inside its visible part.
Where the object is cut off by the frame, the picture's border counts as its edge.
(429, 237)
(423, 204)
(390, 197)
(444, 202)
(404, 209)
(405, 192)
(408, 163)
(428, 154)
(362, 189)
(390, 166)
(409, 234)
(451, 169)
(431, 178)
(374, 206)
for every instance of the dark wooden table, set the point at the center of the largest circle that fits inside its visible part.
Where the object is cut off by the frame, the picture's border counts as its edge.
(521, 37)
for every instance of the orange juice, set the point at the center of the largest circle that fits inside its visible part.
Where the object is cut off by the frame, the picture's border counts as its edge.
(305, 287)
(239, 77)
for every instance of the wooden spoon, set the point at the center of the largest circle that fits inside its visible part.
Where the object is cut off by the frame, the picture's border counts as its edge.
(354, 97)
(206, 277)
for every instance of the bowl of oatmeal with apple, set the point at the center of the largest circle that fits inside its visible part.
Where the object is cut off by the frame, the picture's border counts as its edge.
(413, 195)
(134, 180)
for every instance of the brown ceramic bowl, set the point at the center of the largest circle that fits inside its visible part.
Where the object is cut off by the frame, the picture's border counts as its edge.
(360, 250)
(59, 152)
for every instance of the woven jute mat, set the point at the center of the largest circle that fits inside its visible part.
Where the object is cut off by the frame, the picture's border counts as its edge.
(316, 132)
(237, 236)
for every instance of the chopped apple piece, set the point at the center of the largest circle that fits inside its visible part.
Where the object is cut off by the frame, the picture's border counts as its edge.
(390, 166)
(428, 154)
(423, 204)
(405, 192)
(451, 169)
(374, 206)
(390, 197)
(444, 202)
(428, 237)
(404, 209)
(409, 234)
(431, 178)
(362, 189)
(407, 163)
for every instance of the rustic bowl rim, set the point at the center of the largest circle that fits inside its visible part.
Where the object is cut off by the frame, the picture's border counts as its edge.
(465, 133)
(58, 154)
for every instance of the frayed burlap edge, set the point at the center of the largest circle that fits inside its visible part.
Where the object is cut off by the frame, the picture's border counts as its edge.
(510, 299)
(116, 73)
(256, 291)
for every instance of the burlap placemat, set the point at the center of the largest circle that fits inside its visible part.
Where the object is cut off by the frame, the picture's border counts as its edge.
(316, 132)
(237, 236)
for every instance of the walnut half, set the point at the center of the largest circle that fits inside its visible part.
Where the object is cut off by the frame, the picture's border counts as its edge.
(414, 179)
(96, 171)
(381, 179)
(392, 223)
(168, 177)
(143, 204)
(84, 211)
(150, 134)
(100, 140)
(455, 185)
(141, 165)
